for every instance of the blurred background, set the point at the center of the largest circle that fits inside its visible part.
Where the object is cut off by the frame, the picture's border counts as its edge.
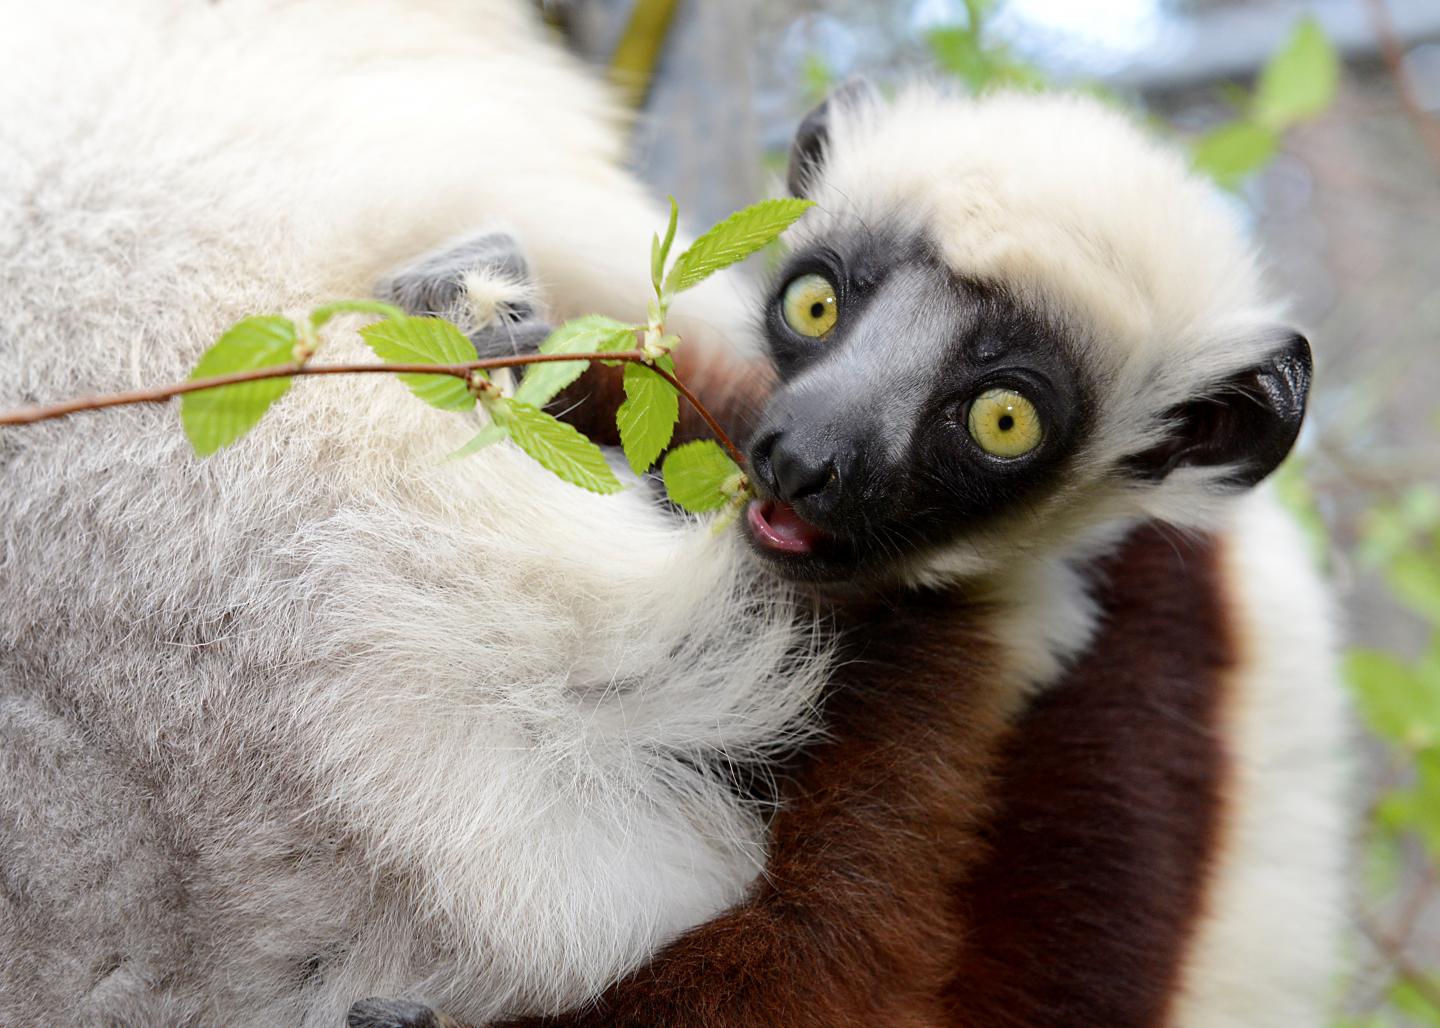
(1322, 120)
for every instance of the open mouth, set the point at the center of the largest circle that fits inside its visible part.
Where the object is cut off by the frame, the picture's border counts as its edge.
(776, 528)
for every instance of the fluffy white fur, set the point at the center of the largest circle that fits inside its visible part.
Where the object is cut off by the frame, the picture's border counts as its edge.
(324, 716)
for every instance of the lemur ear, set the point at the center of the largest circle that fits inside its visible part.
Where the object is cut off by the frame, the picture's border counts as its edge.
(1248, 421)
(807, 152)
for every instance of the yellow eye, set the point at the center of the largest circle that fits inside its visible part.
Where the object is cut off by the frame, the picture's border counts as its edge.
(809, 305)
(1004, 423)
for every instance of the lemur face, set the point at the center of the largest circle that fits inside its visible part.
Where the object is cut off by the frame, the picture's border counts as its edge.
(1010, 327)
(915, 408)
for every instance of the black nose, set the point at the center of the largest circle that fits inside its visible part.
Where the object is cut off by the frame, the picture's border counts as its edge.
(793, 469)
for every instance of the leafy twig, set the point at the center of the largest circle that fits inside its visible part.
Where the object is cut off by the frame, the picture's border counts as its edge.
(160, 394)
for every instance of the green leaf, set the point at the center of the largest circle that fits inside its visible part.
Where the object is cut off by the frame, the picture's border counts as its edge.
(1393, 698)
(958, 51)
(558, 447)
(696, 475)
(425, 341)
(591, 334)
(816, 77)
(734, 239)
(320, 315)
(215, 418)
(647, 417)
(1231, 152)
(1414, 578)
(660, 252)
(490, 434)
(1299, 81)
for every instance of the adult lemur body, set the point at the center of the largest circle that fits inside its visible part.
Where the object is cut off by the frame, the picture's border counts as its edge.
(325, 716)
(322, 717)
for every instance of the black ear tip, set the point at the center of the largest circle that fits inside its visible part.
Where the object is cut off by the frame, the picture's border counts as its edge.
(807, 152)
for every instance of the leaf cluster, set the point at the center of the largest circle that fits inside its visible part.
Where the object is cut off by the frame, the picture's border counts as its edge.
(700, 476)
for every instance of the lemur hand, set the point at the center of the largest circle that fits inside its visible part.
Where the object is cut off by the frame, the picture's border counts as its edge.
(482, 283)
(397, 1013)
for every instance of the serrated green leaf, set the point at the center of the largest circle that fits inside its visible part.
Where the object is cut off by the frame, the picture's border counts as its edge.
(1234, 150)
(425, 341)
(320, 315)
(734, 239)
(696, 475)
(660, 252)
(556, 446)
(591, 334)
(428, 340)
(1299, 81)
(215, 418)
(647, 417)
(487, 436)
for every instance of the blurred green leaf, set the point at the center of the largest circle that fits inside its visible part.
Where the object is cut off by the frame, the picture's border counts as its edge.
(591, 334)
(734, 239)
(1393, 698)
(957, 50)
(1410, 1000)
(696, 475)
(1299, 81)
(556, 446)
(816, 78)
(1414, 578)
(647, 417)
(425, 341)
(215, 418)
(1231, 152)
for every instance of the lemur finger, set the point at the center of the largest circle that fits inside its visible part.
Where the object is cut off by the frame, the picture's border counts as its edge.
(482, 283)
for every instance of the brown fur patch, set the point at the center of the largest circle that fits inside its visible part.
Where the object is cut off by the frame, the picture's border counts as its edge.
(1108, 811)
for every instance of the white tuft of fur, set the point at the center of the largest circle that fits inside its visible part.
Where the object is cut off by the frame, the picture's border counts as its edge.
(1269, 945)
(324, 716)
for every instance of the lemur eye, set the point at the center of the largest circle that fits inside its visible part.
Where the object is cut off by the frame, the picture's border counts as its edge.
(809, 305)
(1004, 423)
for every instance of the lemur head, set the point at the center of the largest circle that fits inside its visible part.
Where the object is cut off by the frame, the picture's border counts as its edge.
(1008, 326)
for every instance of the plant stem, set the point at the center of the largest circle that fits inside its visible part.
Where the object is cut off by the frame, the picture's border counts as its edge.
(160, 394)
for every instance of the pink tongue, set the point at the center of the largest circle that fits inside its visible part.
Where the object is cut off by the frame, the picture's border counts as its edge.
(780, 528)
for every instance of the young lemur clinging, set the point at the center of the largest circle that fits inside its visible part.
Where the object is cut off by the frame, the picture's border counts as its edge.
(1082, 766)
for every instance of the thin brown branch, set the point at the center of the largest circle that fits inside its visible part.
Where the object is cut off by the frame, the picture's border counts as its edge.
(1394, 954)
(694, 401)
(1392, 51)
(160, 394)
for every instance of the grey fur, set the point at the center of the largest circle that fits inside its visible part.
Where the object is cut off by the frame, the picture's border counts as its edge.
(434, 285)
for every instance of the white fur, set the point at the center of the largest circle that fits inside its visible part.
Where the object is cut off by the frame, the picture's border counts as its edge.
(1269, 945)
(323, 716)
